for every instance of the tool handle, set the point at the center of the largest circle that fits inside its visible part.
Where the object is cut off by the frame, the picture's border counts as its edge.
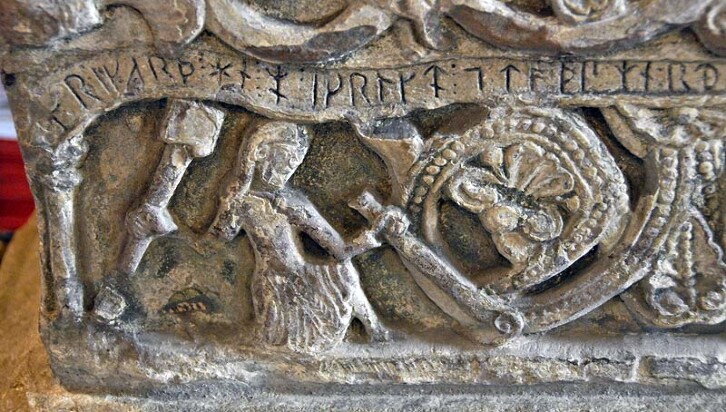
(367, 205)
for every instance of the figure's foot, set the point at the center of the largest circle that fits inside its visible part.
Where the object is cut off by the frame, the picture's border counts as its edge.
(69, 295)
(109, 304)
(363, 311)
(379, 334)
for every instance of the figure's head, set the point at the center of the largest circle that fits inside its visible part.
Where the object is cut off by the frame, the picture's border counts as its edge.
(277, 149)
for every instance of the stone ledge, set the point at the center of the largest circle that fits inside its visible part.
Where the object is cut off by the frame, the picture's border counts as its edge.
(419, 398)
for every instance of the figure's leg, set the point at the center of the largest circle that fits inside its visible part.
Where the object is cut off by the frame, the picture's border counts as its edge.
(363, 311)
(361, 307)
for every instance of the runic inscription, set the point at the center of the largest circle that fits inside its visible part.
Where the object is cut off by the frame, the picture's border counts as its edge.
(347, 199)
(305, 91)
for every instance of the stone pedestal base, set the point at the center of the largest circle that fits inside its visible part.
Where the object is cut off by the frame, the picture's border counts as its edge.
(27, 382)
(419, 398)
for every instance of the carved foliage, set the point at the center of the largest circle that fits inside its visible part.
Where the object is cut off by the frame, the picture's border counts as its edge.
(540, 181)
(687, 283)
(688, 280)
(578, 11)
(520, 220)
(277, 40)
(711, 28)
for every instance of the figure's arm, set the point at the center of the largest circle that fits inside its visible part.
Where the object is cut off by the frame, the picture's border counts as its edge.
(461, 298)
(306, 217)
(228, 223)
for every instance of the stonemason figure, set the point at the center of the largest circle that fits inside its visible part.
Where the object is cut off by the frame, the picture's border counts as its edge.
(304, 304)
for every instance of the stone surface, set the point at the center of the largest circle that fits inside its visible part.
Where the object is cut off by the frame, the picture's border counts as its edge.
(466, 196)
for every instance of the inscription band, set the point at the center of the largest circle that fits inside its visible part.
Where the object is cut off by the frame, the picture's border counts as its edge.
(74, 95)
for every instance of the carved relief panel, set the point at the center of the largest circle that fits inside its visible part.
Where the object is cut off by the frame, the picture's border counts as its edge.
(440, 192)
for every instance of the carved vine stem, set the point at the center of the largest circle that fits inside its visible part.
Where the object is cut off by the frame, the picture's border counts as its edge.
(56, 179)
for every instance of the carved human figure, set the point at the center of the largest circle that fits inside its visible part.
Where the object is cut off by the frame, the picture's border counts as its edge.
(303, 302)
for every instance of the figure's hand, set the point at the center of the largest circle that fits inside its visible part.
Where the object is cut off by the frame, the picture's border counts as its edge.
(297, 214)
(392, 222)
(294, 210)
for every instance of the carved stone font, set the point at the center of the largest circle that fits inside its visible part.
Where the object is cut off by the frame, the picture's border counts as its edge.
(262, 198)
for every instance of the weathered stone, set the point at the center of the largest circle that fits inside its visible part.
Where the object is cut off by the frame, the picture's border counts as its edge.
(351, 196)
(34, 23)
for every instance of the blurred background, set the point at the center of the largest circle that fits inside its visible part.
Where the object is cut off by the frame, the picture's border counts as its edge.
(16, 202)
